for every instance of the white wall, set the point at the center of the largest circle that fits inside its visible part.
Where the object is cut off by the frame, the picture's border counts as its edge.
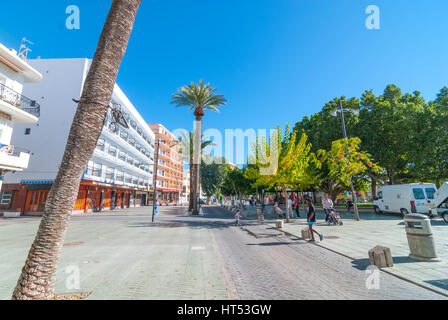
(11, 79)
(62, 81)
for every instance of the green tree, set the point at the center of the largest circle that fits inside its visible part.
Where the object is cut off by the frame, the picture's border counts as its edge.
(198, 98)
(39, 273)
(213, 173)
(286, 161)
(384, 127)
(344, 161)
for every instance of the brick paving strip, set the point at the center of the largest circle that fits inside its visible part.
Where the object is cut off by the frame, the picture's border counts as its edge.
(355, 239)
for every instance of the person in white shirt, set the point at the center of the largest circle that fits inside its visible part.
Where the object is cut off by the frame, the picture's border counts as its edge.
(291, 213)
(327, 204)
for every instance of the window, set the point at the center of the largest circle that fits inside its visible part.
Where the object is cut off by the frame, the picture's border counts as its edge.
(418, 194)
(122, 156)
(124, 135)
(94, 170)
(5, 197)
(27, 131)
(380, 195)
(120, 176)
(112, 151)
(430, 192)
(100, 144)
(110, 174)
(130, 160)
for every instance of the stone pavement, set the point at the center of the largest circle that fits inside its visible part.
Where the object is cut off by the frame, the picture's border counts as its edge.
(122, 255)
(267, 264)
(355, 239)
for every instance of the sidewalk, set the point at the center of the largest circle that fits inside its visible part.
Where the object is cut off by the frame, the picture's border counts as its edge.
(122, 255)
(355, 239)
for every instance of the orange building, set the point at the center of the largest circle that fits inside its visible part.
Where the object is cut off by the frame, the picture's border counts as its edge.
(170, 167)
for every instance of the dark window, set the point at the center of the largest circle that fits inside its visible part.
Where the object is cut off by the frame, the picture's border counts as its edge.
(27, 131)
(430, 192)
(418, 194)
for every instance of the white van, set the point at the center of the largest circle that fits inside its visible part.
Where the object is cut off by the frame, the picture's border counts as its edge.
(405, 198)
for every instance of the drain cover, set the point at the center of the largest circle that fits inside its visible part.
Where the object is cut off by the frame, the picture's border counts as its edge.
(331, 237)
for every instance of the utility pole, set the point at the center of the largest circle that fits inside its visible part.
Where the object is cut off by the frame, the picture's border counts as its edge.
(156, 159)
(344, 130)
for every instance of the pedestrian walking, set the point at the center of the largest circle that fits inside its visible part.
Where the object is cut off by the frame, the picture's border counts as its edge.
(311, 219)
(296, 206)
(238, 217)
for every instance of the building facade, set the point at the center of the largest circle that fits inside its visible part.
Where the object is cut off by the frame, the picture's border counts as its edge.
(185, 195)
(119, 173)
(15, 108)
(170, 166)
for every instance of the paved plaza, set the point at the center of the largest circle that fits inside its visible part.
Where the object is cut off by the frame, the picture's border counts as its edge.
(123, 255)
(354, 239)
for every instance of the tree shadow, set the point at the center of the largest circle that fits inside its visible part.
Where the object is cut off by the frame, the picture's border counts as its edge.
(443, 283)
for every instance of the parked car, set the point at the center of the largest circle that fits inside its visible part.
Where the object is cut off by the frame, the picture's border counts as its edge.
(406, 198)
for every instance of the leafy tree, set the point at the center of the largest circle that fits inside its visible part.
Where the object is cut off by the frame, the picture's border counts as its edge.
(198, 97)
(343, 162)
(291, 161)
(384, 127)
(39, 273)
(212, 176)
(237, 183)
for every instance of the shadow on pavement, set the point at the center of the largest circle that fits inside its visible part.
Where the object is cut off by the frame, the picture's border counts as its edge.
(443, 284)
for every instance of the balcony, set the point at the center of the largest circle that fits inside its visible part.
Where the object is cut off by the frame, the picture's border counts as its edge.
(20, 108)
(14, 162)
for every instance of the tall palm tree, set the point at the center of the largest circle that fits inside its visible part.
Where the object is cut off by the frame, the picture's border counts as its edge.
(198, 98)
(187, 155)
(39, 273)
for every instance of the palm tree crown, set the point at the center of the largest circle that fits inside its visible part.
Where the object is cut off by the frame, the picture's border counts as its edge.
(198, 97)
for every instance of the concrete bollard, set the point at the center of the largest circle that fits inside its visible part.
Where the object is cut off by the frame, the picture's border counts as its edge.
(306, 234)
(381, 257)
(279, 224)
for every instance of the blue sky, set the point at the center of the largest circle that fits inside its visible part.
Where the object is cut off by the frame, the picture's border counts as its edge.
(275, 60)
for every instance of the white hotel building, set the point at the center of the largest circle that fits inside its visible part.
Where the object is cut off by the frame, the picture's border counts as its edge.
(14, 108)
(120, 172)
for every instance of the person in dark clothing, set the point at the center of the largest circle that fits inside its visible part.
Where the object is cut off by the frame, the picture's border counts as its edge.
(311, 219)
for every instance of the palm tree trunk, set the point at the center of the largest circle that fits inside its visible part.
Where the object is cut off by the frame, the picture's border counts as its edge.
(197, 163)
(190, 204)
(39, 273)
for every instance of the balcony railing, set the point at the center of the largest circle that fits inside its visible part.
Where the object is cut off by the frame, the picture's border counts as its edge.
(16, 99)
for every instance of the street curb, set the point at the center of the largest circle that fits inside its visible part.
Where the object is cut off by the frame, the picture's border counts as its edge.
(385, 271)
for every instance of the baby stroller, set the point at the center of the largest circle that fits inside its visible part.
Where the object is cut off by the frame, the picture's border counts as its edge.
(334, 218)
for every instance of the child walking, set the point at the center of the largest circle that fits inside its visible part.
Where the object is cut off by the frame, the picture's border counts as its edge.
(238, 217)
(312, 220)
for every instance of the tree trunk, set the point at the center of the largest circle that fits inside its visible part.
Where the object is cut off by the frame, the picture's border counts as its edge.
(287, 203)
(39, 273)
(190, 203)
(197, 163)
(373, 188)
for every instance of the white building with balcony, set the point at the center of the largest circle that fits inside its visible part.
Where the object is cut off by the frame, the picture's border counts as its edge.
(119, 173)
(15, 108)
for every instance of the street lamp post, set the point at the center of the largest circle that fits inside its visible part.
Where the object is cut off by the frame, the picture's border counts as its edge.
(156, 160)
(344, 131)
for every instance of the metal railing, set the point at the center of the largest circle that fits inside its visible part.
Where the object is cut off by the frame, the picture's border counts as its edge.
(20, 101)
